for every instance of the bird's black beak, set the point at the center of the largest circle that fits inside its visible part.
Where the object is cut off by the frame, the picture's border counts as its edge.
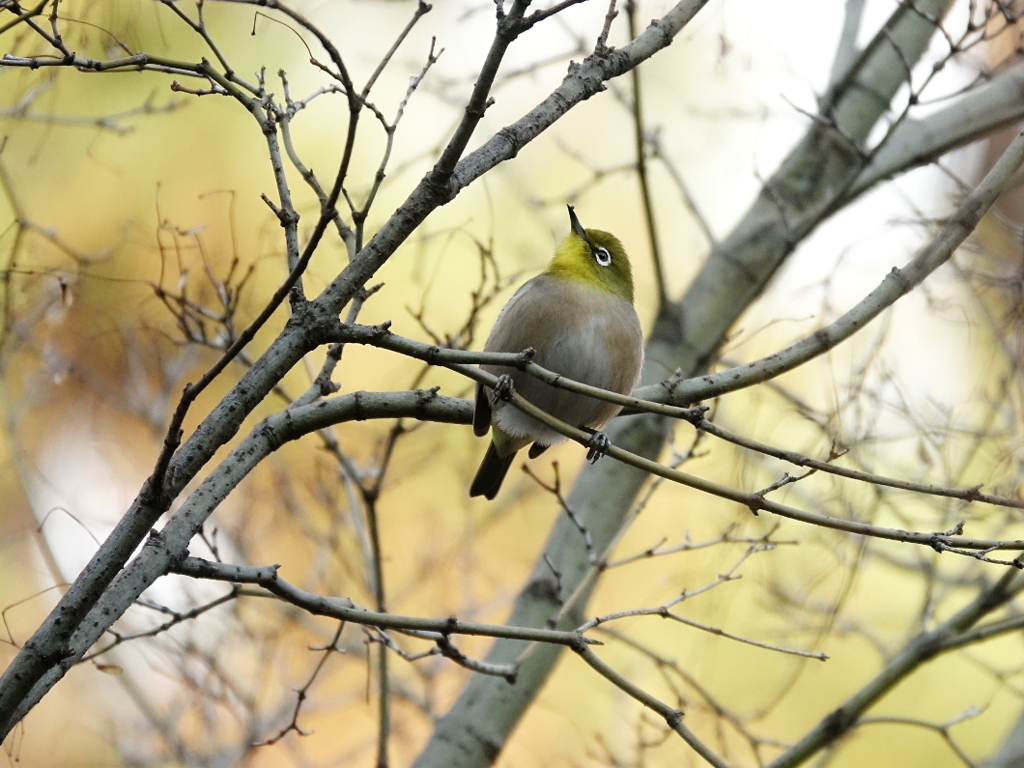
(576, 226)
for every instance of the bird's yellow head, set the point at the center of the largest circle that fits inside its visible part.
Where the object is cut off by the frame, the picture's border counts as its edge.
(594, 258)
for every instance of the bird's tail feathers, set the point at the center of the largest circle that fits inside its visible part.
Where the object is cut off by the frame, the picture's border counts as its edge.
(537, 449)
(491, 473)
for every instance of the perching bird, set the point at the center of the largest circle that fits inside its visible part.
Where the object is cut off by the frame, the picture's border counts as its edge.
(579, 319)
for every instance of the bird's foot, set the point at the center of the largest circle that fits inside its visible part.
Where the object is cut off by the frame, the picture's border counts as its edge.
(597, 446)
(503, 389)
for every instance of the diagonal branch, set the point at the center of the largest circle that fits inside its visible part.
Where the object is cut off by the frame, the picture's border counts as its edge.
(918, 651)
(808, 187)
(898, 283)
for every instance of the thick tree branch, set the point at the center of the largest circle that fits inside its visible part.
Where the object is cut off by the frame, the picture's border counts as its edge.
(808, 186)
(898, 283)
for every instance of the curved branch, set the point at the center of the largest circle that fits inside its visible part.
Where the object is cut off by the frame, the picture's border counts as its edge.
(921, 649)
(464, 362)
(344, 609)
(895, 285)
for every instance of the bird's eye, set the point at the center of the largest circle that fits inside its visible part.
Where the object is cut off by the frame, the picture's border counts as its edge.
(604, 258)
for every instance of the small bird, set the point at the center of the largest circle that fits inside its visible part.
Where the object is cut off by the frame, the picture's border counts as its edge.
(578, 317)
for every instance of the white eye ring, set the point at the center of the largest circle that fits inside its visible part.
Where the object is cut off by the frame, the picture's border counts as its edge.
(603, 257)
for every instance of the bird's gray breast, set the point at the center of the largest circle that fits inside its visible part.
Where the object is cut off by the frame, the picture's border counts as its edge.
(580, 332)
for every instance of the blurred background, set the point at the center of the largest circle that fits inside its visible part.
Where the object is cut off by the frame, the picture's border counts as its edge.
(123, 198)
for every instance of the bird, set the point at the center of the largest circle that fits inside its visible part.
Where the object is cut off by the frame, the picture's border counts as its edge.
(579, 320)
